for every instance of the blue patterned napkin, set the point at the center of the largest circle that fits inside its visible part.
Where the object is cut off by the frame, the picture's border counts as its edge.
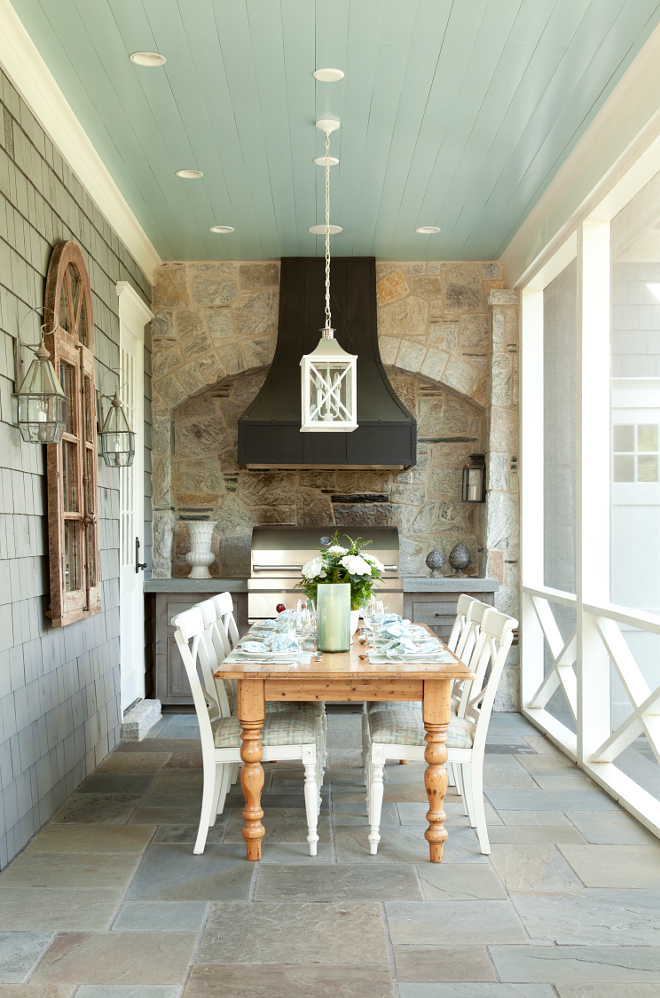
(254, 647)
(405, 648)
(282, 642)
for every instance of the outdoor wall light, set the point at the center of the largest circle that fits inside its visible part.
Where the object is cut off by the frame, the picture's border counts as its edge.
(116, 436)
(40, 407)
(474, 479)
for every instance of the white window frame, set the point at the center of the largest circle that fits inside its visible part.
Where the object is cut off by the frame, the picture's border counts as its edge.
(582, 663)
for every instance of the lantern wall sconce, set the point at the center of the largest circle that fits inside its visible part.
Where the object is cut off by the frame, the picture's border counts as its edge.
(474, 479)
(116, 436)
(40, 407)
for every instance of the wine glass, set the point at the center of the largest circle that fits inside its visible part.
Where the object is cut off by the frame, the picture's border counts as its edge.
(378, 617)
(368, 611)
(300, 628)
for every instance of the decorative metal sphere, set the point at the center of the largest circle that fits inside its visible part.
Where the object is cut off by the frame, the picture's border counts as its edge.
(435, 561)
(459, 558)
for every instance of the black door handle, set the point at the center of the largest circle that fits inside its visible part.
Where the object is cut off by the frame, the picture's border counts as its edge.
(138, 564)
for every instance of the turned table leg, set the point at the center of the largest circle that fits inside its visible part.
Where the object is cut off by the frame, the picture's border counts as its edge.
(251, 713)
(437, 714)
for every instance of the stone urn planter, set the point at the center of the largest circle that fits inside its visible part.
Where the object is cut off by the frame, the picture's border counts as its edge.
(200, 555)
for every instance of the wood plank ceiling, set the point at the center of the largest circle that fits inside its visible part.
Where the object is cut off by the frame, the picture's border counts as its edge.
(454, 113)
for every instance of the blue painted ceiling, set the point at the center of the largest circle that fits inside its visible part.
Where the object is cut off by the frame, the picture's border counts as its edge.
(454, 113)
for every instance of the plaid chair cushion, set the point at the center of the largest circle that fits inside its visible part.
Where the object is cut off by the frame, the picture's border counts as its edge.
(293, 727)
(404, 728)
(411, 705)
(313, 706)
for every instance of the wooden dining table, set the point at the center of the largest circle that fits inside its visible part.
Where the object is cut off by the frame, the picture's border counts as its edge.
(345, 676)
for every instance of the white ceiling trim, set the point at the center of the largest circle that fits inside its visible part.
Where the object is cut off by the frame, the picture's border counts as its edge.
(622, 131)
(23, 63)
(131, 307)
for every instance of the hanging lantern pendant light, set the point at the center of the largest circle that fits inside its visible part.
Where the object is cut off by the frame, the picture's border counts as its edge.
(117, 438)
(329, 374)
(40, 407)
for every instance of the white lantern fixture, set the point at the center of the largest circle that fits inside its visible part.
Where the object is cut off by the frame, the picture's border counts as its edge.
(329, 374)
(116, 438)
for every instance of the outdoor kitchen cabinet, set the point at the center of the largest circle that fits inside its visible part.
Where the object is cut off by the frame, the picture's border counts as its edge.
(171, 686)
(438, 609)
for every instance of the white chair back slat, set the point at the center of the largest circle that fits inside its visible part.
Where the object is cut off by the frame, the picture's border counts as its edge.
(225, 610)
(461, 622)
(498, 628)
(189, 630)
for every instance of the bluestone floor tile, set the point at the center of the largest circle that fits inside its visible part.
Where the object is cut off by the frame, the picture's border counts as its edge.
(538, 818)
(612, 828)
(415, 814)
(116, 783)
(404, 844)
(534, 868)
(172, 800)
(292, 981)
(185, 760)
(167, 816)
(355, 813)
(32, 990)
(161, 916)
(286, 852)
(118, 958)
(173, 873)
(443, 963)
(577, 964)
(591, 918)
(104, 809)
(128, 991)
(532, 833)
(282, 825)
(126, 839)
(293, 933)
(188, 833)
(453, 923)
(603, 990)
(133, 762)
(616, 866)
(236, 800)
(459, 882)
(337, 882)
(460, 990)
(19, 951)
(61, 910)
(591, 799)
(178, 781)
(162, 745)
(88, 871)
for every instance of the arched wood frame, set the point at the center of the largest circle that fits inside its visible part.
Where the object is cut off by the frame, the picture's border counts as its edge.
(73, 520)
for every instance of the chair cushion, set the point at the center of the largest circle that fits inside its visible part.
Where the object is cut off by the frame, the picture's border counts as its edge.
(392, 727)
(311, 706)
(410, 705)
(292, 727)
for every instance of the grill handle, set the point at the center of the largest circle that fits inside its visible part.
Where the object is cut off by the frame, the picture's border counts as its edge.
(277, 568)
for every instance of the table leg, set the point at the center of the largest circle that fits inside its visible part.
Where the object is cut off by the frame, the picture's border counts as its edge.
(437, 715)
(251, 713)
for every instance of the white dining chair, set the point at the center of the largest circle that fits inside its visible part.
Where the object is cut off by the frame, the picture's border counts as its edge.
(286, 735)
(399, 734)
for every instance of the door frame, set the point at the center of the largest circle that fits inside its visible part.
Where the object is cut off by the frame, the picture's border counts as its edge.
(133, 316)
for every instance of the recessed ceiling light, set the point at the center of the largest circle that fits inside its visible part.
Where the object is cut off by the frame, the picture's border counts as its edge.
(189, 174)
(321, 161)
(221, 228)
(147, 58)
(319, 230)
(427, 230)
(329, 75)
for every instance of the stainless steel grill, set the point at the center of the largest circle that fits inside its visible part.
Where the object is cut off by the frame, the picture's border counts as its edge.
(279, 553)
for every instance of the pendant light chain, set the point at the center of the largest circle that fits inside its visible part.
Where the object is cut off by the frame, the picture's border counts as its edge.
(328, 317)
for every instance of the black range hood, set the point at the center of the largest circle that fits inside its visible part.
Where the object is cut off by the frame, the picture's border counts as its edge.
(269, 430)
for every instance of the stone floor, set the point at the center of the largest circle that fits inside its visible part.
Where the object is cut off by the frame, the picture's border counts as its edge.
(107, 901)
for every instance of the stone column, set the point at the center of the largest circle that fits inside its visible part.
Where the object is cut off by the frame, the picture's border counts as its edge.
(502, 494)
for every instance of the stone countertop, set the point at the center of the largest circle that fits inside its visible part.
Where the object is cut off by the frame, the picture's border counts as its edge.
(411, 584)
(464, 584)
(187, 585)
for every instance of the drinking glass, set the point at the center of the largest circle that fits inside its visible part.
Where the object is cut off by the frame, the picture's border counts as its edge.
(300, 628)
(378, 617)
(368, 611)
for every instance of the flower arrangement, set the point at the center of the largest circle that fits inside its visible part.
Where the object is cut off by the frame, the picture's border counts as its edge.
(337, 564)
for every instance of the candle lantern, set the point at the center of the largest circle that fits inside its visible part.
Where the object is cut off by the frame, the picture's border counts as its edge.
(40, 405)
(474, 479)
(117, 438)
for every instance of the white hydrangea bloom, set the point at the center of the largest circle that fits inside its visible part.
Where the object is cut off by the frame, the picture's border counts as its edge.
(356, 565)
(336, 550)
(374, 561)
(314, 568)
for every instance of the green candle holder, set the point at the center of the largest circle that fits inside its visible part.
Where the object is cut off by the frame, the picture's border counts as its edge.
(333, 612)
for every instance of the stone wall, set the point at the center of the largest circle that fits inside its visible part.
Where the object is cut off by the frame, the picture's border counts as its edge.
(448, 338)
(59, 687)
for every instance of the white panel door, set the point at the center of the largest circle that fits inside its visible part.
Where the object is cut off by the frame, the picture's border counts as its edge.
(133, 315)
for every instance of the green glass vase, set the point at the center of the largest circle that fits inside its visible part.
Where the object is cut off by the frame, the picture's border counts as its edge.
(333, 613)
